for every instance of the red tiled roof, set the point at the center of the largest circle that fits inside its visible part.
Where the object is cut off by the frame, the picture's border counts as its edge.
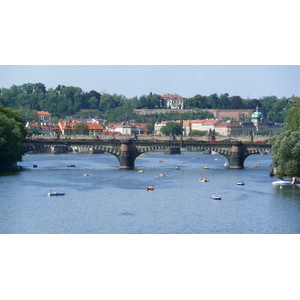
(43, 113)
(171, 97)
(49, 127)
(91, 126)
(228, 125)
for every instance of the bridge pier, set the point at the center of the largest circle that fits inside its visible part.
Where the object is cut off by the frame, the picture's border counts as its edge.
(237, 156)
(126, 156)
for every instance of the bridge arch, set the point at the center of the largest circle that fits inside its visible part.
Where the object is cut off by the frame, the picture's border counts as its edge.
(127, 151)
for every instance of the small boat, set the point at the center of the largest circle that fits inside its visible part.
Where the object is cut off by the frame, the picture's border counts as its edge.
(281, 182)
(86, 174)
(34, 166)
(71, 166)
(216, 197)
(226, 164)
(56, 194)
(150, 188)
(183, 161)
(257, 165)
(204, 179)
(217, 158)
(160, 161)
(241, 182)
(206, 167)
(161, 175)
(140, 171)
(177, 168)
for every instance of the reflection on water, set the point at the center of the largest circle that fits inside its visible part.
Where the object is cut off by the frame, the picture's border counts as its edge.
(110, 200)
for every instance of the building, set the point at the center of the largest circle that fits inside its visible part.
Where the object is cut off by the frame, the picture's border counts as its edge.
(229, 129)
(200, 125)
(173, 101)
(204, 125)
(67, 128)
(44, 117)
(50, 130)
(125, 128)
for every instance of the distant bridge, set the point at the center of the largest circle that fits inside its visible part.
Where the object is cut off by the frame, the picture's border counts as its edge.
(127, 151)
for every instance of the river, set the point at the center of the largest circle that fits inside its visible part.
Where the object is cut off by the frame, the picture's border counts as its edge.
(113, 201)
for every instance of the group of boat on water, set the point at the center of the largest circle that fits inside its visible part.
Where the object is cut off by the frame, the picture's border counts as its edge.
(279, 182)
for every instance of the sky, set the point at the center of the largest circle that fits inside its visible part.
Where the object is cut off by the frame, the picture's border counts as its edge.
(247, 81)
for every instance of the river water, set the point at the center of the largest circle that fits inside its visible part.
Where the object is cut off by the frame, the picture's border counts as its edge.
(113, 201)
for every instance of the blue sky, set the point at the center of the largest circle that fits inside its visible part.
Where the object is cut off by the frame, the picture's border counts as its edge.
(254, 81)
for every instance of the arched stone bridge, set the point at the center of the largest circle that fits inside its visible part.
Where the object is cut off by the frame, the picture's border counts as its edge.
(127, 151)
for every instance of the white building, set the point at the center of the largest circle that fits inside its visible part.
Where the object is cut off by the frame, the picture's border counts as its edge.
(174, 101)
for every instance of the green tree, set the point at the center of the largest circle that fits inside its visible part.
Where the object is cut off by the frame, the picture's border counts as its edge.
(224, 102)
(149, 127)
(286, 147)
(213, 101)
(81, 128)
(197, 133)
(172, 129)
(93, 103)
(12, 131)
(197, 101)
(109, 102)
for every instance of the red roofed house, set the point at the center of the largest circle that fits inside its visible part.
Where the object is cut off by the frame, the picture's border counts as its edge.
(50, 130)
(67, 128)
(174, 101)
(44, 116)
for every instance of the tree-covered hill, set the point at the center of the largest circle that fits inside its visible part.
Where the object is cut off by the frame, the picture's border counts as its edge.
(64, 101)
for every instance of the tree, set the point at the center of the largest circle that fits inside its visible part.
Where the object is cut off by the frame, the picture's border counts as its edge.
(172, 129)
(236, 102)
(197, 101)
(149, 127)
(12, 131)
(81, 128)
(109, 102)
(224, 102)
(286, 147)
(197, 133)
(213, 101)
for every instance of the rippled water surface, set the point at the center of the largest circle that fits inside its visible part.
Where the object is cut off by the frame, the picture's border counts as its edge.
(110, 200)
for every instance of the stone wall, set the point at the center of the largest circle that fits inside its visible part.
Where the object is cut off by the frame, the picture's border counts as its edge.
(218, 113)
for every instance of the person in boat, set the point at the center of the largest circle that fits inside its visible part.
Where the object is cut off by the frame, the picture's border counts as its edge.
(51, 192)
(56, 192)
(294, 180)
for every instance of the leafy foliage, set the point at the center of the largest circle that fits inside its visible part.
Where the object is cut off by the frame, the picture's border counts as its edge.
(65, 101)
(81, 128)
(12, 130)
(286, 147)
(197, 133)
(172, 129)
